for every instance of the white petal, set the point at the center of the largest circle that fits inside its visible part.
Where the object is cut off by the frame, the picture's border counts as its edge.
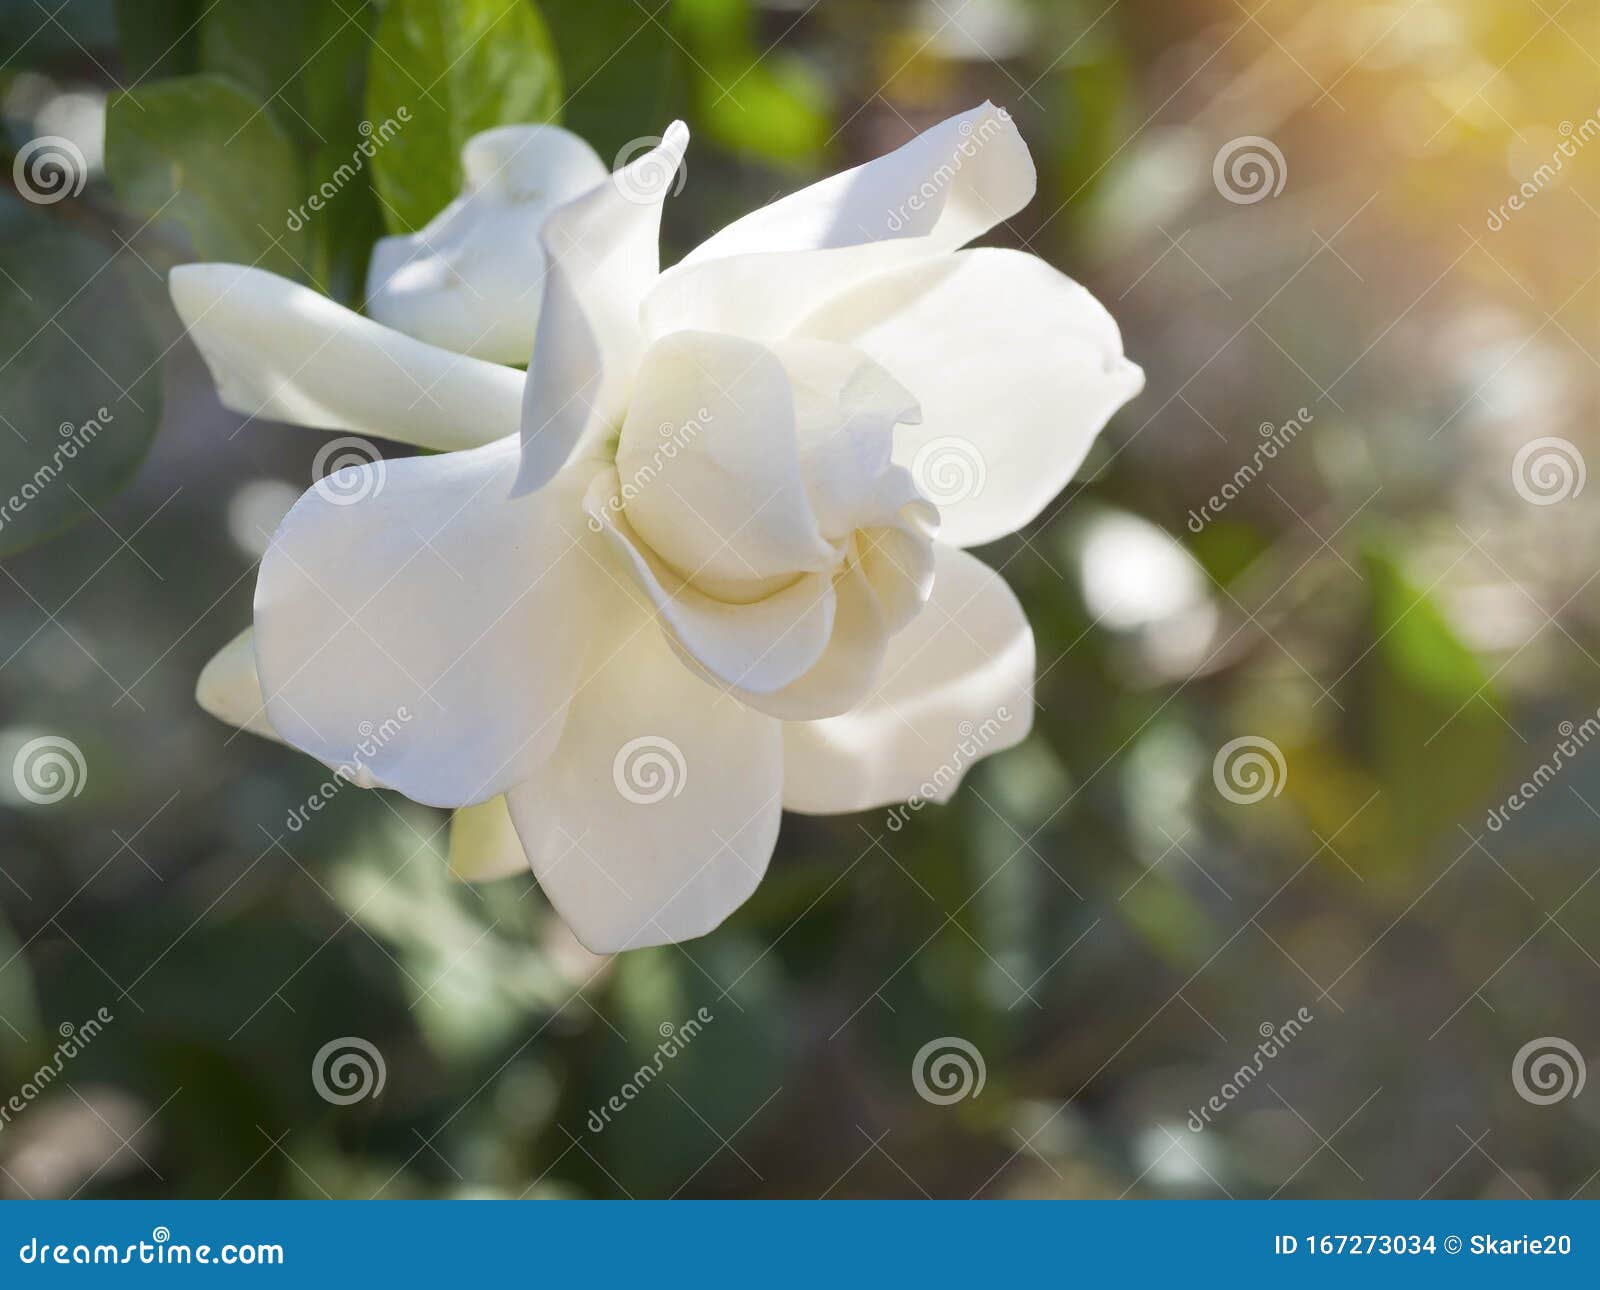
(957, 685)
(1016, 368)
(279, 350)
(603, 256)
(424, 626)
(657, 814)
(899, 564)
(484, 843)
(952, 183)
(230, 690)
(471, 279)
(845, 673)
(846, 410)
(710, 466)
(760, 646)
(763, 273)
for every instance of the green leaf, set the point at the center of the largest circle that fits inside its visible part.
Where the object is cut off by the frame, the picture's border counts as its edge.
(158, 37)
(1429, 718)
(748, 99)
(346, 226)
(80, 382)
(771, 108)
(204, 151)
(450, 68)
(305, 58)
(622, 67)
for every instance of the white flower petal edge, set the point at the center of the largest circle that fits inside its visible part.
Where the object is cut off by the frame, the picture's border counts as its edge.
(1016, 366)
(656, 814)
(483, 843)
(951, 183)
(434, 603)
(230, 690)
(763, 273)
(470, 279)
(603, 253)
(956, 685)
(283, 352)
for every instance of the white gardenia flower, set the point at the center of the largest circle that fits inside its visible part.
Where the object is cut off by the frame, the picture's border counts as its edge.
(703, 563)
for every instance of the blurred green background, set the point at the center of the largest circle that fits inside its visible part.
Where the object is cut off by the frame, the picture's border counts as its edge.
(1397, 601)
